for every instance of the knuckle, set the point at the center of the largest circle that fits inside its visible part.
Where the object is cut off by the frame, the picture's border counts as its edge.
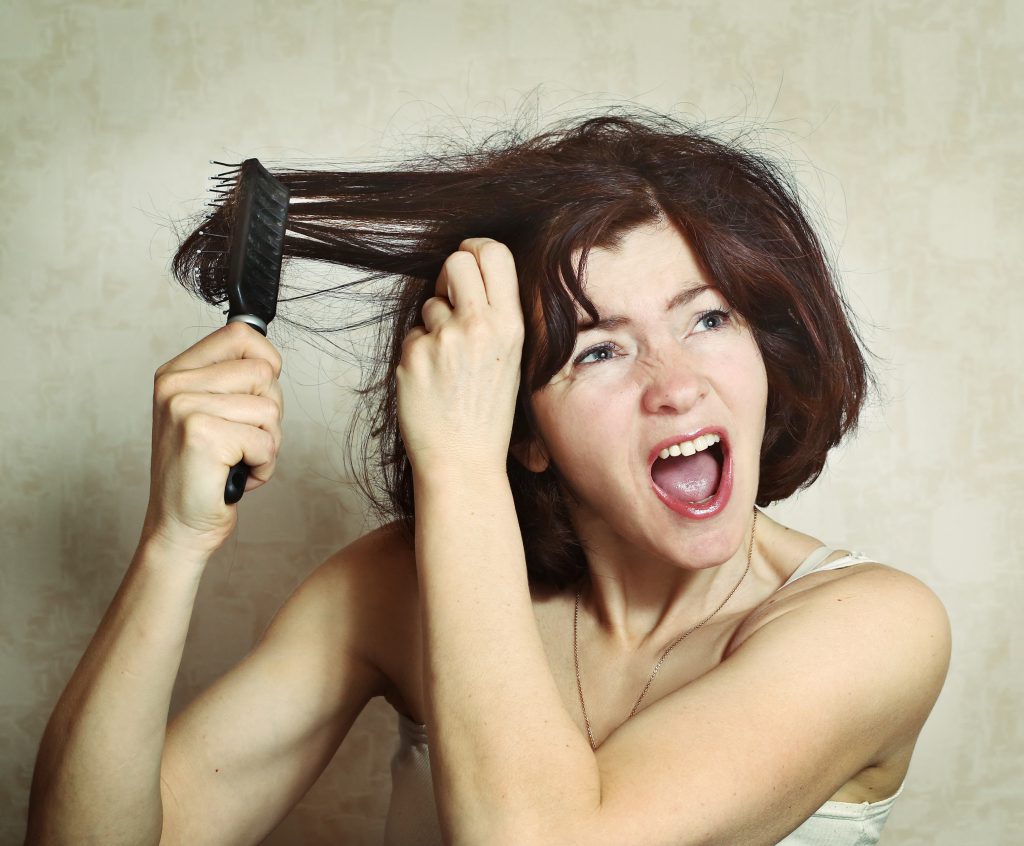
(476, 242)
(271, 355)
(164, 387)
(277, 434)
(476, 326)
(196, 430)
(237, 329)
(270, 410)
(412, 337)
(494, 251)
(458, 259)
(447, 333)
(261, 369)
(178, 406)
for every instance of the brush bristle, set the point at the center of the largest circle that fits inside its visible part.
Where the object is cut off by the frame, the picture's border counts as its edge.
(257, 243)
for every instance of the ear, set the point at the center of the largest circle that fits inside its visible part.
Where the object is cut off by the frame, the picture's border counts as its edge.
(532, 454)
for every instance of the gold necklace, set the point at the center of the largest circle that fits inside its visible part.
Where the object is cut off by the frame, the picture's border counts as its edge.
(664, 655)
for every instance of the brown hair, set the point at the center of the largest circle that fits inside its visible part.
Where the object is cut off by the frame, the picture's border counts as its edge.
(551, 198)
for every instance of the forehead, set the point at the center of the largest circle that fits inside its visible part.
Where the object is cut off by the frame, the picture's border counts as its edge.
(650, 263)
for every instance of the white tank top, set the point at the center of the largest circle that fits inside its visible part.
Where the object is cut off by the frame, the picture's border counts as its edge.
(412, 814)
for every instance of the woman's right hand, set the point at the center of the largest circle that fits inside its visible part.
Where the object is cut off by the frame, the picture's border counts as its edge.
(216, 404)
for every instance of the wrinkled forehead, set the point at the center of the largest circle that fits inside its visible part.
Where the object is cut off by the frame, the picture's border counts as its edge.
(640, 270)
(647, 258)
(632, 273)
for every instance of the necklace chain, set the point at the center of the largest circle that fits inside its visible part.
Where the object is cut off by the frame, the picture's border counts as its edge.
(664, 655)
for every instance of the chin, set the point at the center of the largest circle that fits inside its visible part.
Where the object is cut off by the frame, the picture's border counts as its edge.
(712, 542)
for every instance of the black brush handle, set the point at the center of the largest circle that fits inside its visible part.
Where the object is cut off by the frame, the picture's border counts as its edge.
(235, 486)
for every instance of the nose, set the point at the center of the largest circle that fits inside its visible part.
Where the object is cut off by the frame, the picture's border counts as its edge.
(673, 384)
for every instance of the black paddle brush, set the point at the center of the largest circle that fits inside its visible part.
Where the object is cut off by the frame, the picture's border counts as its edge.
(256, 246)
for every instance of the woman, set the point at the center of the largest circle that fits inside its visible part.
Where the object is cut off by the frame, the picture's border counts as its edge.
(579, 610)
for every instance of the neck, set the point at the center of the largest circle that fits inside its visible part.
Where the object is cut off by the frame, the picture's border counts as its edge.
(641, 600)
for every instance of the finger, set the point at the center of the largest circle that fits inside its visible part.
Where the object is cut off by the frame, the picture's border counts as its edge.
(436, 310)
(497, 270)
(225, 443)
(260, 412)
(461, 283)
(240, 376)
(414, 335)
(255, 446)
(233, 341)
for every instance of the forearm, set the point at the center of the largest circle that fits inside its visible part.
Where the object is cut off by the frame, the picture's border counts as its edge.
(97, 777)
(506, 755)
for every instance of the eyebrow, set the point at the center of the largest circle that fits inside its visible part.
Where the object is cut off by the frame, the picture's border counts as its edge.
(616, 321)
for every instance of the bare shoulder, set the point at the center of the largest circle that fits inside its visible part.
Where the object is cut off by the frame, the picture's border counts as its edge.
(881, 594)
(884, 624)
(380, 560)
(372, 580)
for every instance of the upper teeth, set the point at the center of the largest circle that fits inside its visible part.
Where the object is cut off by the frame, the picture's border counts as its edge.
(698, 444)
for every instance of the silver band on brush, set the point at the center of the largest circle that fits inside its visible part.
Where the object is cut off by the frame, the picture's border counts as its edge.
(252, 320)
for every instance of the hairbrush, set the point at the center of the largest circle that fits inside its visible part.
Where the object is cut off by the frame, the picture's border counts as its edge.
(256, 246)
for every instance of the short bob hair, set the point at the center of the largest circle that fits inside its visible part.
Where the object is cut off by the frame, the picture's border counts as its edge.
(551, 198)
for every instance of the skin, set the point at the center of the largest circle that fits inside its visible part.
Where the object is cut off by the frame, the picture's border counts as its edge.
(451, 632)
(507, 754)
(662, 375)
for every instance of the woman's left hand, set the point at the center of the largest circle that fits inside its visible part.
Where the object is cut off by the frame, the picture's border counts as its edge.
(459, 373)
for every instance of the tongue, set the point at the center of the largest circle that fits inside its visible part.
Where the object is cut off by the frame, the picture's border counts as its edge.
(688, 478)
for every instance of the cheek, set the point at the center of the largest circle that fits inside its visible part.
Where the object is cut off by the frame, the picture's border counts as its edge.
(761, 391)
(574, 425)
(751, 377)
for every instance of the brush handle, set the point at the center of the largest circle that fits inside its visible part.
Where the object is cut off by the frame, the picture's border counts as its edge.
(235, 485)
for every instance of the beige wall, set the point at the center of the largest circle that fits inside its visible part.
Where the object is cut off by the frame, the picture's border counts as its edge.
(905, 119)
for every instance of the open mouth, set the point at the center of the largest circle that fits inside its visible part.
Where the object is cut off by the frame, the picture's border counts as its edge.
(693, 476)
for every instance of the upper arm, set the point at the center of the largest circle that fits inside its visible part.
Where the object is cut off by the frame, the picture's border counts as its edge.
(744, 754)
(247, 749)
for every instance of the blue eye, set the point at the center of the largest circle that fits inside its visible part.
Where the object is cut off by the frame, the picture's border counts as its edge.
(602, 352)
(714, 318)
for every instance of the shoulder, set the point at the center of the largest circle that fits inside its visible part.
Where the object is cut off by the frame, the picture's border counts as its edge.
(372, 573)
(380, 558)
(879, 589)
(370, 588)
(352, 599)
(838, 682)
(881, 626)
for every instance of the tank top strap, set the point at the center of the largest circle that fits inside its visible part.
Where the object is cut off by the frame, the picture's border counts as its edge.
(815, 562)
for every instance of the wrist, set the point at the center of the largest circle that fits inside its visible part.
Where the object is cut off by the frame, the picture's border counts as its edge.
(165, 531)
(462, 474)
(159, 549)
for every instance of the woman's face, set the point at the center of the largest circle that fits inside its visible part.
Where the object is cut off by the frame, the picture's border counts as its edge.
(667, 365)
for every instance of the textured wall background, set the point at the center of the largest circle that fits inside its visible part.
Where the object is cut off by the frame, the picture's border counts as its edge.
(903, 119)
